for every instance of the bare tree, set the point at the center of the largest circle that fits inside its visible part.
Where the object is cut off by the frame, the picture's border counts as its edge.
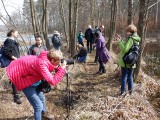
(130, 12)
(112, 30)
(45, 23)
(34, 18)
(74, 28)
(61, 8)
(143, 9)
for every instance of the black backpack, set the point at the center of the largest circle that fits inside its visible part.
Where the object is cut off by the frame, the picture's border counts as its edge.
(4, 60)
(44, 86)
(56, 40)
(131, 57)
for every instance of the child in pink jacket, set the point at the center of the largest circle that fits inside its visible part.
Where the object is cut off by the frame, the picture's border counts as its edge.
(27, 70)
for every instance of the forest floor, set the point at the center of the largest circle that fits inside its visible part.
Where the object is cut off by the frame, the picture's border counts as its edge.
(94, 96)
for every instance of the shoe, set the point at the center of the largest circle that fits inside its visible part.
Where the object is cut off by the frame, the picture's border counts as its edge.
(17, 100)
(95, 61)
(130, 92)
(122, 94)
(47, 116)
(99, 72)
(104, 71)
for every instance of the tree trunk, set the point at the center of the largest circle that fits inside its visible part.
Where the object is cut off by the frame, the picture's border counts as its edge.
(141, 31)
(45, 23)
(74, 30)
(34, 18)
(63, 20)
(112, 30)
(130, 12)
(70, 24)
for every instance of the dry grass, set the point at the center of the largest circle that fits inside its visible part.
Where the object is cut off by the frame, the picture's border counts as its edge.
(95, 97)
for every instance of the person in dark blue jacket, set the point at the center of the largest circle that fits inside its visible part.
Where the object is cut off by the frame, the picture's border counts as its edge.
(56, 40)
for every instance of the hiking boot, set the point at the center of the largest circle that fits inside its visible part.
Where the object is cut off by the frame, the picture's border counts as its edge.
(99, 72)
(95, 61)
(130, 92)
(47, 116)
(17, 100)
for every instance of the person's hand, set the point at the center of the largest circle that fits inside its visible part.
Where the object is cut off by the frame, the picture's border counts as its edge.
(14, 58)
(117, 37)
(64, 64)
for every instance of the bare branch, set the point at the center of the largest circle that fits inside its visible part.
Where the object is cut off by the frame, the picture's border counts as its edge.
(153, 4)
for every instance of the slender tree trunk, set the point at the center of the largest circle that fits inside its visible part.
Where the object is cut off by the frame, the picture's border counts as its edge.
(156, 20)
(74, 30)
(141, 31)
(63, 20)
(130, 12)
(70, 23)
(45, 23)
(112, 30)
(34, 18)
(92, 12)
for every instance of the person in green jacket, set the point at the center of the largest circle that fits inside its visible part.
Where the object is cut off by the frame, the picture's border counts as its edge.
(125, 46)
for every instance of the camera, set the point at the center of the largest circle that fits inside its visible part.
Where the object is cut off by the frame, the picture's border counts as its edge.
(69, 62)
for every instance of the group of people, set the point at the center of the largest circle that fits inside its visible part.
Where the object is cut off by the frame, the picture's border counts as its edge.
(27, 72)
(95, 38)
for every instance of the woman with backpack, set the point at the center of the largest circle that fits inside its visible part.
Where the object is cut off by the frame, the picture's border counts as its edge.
(127, 69)
(11, 50)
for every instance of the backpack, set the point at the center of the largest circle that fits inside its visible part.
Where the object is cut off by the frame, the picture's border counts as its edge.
(4, 60)
(44, 86)
(131, 56)
(56, 40)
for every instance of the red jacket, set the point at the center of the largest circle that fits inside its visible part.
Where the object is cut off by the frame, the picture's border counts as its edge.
(28, 70)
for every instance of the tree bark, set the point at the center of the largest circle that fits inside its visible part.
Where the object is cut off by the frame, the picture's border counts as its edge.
(141, 31)
(45, 23)
(74, 30)
(63, 20)
(130, 12)
(34, 18)
(112, 30)
(70, 24)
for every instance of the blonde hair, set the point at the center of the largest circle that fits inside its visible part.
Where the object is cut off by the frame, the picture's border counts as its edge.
(55, 54)
(131, 28)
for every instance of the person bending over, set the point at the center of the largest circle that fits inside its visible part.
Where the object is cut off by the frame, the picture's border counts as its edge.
(27, 70)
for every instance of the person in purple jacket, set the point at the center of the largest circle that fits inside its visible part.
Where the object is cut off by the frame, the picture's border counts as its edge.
(102, 52)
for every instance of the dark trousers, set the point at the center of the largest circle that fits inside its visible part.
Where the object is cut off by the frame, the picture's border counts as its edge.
(81, 43)
(101, 66)
(89, 45)
(14, 90)
(96, 57)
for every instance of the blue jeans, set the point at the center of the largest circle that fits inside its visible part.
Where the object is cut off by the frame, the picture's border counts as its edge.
(37, 100)
(82, 59)
(126, 76)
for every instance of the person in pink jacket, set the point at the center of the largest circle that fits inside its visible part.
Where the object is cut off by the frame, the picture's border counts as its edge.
(27, 70)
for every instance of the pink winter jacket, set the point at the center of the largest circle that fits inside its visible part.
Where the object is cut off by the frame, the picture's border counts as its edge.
(29, 69)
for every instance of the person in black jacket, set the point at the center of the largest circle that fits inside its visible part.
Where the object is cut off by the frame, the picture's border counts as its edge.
(89, 38)
(11, 50)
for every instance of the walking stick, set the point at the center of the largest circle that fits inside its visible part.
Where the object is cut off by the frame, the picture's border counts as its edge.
(69, 96)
